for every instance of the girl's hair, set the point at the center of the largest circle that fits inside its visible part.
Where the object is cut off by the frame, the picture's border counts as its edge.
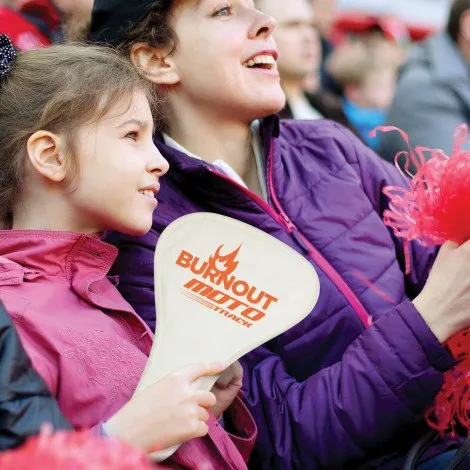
(57, 89)
(154, 29)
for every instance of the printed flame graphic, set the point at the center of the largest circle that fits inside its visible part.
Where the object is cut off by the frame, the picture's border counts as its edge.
(224, 264)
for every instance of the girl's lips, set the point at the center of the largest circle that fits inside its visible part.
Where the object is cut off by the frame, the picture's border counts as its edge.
(149, 195)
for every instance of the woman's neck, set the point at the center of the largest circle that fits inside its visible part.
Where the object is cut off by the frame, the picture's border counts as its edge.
(214, 138)
(293, 89)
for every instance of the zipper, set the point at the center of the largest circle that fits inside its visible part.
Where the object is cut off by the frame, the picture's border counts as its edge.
(261, 202)
(280, 216)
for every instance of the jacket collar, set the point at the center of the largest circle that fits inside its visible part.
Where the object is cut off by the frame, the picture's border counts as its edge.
(30, 254)
(182, 163)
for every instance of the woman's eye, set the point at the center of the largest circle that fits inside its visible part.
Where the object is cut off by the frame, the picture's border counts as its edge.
(132, 135)
(225, 11)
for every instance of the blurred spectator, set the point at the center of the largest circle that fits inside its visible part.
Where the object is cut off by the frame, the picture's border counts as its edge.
(299, 52)
(25, 31)
(44, 15)
(367, 74)
(433, 95)
(37, 23)
(325, 12)
(76, 17)
(383, 45)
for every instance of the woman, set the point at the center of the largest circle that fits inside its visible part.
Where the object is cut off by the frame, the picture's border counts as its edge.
(332, 392)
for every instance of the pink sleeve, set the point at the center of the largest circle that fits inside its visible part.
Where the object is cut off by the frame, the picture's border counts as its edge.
(243, 425)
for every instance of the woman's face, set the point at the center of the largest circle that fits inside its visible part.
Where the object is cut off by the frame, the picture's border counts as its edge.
(226, 59)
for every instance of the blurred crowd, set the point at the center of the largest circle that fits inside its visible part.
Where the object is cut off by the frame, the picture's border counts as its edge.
(340, 67)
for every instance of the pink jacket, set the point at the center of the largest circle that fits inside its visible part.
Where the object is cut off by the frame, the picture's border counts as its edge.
(87, 342)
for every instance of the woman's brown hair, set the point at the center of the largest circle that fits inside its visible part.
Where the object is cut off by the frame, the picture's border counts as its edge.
(154, 29)
(58, 89)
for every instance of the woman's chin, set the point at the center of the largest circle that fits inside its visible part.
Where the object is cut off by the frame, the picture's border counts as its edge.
(270, 107)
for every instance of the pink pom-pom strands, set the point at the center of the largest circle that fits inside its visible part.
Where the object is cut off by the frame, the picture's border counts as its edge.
(432, 209)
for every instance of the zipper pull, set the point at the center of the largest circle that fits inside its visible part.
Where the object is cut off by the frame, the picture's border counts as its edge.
(288, 223)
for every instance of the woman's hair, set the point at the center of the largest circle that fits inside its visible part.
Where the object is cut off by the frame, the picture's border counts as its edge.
(458, 8)
(154, 29)
(57, 89)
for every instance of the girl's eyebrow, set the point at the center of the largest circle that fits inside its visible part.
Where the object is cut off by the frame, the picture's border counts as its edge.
(138, 122)
(141, 124)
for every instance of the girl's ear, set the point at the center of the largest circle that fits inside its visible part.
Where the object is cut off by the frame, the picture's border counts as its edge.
(44, 154)
(157, 64)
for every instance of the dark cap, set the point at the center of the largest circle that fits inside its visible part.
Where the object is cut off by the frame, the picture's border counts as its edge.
(110, 19)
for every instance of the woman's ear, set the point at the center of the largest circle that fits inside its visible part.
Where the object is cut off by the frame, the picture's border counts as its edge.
(44, 154)
(156, 64)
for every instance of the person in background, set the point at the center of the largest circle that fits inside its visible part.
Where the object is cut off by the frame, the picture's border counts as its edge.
(433, 93)
(25, 401)
(38, 23)
(25, 31)
(325, 12)
(76, 16)
(299, 51)
(368, 79)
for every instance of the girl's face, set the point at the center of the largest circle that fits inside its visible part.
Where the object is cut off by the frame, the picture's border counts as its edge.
(119, 171)
(226, 59)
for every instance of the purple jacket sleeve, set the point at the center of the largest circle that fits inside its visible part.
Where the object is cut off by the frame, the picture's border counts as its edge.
(343, 413)
(375, 174)
(367, 404)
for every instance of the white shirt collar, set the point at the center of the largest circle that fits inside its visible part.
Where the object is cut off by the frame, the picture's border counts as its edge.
(224, 166)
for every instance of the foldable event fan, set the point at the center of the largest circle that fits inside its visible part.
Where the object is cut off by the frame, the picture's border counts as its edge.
(222, 288)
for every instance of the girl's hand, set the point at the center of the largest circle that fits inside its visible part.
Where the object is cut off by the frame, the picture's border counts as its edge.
(167, 413)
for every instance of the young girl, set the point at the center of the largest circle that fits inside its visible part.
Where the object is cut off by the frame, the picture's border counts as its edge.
(349, 385)
(77, 159)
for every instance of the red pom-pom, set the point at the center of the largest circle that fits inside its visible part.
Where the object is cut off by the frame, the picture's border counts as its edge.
(432, 210)
(73, 450)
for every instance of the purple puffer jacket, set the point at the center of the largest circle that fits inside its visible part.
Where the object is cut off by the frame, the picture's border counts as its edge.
(329, 393)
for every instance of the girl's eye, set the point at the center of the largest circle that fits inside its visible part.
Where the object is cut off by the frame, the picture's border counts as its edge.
(224, 11)
(132, 135)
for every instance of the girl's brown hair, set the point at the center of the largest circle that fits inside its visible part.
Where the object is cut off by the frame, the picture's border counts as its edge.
(58, 89)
